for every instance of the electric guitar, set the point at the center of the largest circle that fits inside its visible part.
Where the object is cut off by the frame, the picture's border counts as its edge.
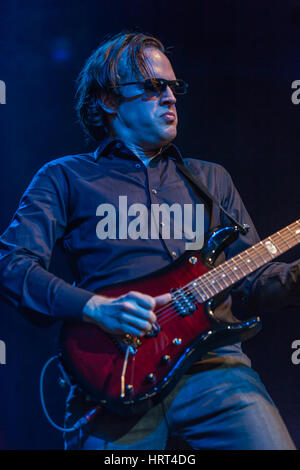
(128, 374)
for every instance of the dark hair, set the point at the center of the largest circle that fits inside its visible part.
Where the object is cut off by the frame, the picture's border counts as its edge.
(102, 70)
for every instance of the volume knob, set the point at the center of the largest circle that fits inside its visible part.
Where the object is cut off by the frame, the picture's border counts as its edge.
(166, 359)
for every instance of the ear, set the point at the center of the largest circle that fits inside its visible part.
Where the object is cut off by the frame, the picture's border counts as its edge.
(109, 103)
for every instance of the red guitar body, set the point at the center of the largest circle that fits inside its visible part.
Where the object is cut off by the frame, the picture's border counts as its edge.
(133, 382)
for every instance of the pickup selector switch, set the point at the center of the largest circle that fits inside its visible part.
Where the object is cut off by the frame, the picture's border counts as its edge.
(177, 341)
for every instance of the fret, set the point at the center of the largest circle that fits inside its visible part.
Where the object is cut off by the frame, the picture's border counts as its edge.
(215, 281)
(237, 267)
(216, 278)
(278, 234)
(262, 253)
(270, 248)
(206, 294)
(265, 251)
(219, 277)
(251, 264)
(270, 244)
(225, 275)
(208, 285)
(297, 232)
(234, 269)
(254, 250)
(202, 296)
(245, 265)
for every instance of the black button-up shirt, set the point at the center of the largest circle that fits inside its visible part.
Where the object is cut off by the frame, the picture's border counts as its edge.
(61, 204)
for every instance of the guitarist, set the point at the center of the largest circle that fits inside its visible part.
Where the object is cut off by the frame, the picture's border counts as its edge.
(221, 402)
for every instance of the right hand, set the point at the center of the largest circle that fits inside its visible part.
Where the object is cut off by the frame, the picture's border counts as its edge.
(132, 313)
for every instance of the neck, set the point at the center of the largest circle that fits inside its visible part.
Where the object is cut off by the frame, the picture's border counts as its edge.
(144, 155)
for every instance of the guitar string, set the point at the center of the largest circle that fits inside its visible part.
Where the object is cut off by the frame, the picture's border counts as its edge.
(239, 262)
(227, 269)
(165, 310)
(170, 312)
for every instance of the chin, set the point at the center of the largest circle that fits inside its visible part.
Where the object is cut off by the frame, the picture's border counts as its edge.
(168, 133)
(169, 136)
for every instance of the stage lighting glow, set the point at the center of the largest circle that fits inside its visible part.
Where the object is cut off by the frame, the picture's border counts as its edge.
(61, 50)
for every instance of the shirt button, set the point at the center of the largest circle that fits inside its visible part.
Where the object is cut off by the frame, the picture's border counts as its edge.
(174, 254)
(154, 191)
(138, 165)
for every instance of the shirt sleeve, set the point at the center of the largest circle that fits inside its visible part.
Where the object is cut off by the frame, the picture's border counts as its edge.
(26, 249)
(272, 287)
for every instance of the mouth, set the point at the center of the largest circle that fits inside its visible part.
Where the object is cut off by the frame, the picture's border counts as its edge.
(169, 116)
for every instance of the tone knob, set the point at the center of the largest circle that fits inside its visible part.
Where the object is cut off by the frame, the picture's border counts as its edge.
(128, 389)
(150, 378)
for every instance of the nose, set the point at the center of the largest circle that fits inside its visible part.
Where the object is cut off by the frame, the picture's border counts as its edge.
(168, 97)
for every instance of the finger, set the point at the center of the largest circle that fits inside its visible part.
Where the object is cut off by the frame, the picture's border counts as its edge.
(143, 300)
(138, 312)
(130, 330)
(132, 308)
(163, 299)
(147, 315)
(142, 326)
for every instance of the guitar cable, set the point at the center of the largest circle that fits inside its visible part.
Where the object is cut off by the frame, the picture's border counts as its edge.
(82, 421)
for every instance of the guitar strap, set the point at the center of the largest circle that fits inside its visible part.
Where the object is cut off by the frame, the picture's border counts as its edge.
(198, 183)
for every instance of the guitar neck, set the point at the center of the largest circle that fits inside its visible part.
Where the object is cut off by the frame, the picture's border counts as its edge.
(235, 269)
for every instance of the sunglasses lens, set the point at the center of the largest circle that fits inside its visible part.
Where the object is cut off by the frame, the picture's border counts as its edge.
(159, 85)
(155, 85)
(179, 87)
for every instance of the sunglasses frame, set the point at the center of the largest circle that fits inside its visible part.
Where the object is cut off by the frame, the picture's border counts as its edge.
(159, 87)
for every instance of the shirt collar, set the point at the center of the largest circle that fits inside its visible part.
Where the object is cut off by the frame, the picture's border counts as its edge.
(109, 144)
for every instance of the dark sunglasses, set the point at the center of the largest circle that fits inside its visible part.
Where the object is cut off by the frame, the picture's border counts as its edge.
(159, 85)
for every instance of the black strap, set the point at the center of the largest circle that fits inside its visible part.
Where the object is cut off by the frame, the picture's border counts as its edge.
(191, 176)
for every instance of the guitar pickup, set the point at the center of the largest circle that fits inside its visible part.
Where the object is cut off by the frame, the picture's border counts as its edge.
(183, 301)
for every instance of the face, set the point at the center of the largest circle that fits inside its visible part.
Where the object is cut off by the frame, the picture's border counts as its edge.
(147, 119)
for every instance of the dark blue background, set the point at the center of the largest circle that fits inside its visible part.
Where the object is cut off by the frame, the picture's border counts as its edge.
(240, 59)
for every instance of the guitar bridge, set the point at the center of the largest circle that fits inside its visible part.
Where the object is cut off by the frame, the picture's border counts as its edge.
(132, 341)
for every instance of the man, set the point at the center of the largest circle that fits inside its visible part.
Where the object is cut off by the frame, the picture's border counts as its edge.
(220, 403)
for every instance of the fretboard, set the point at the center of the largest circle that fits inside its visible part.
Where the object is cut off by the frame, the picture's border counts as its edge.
(235, 269)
